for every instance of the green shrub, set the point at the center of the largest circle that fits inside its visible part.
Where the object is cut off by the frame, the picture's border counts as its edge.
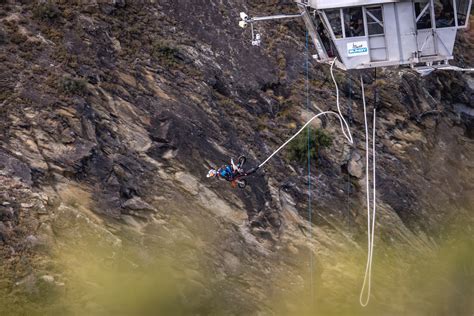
(298, 147)
(73, 86)
(46, 12)
(166, 54)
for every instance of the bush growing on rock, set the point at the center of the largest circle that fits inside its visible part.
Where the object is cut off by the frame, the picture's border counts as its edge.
(46, 12)
(73, 86)
(166, 54)
(298, 148)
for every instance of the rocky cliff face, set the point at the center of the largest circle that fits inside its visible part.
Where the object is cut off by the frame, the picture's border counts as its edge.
(111, 114)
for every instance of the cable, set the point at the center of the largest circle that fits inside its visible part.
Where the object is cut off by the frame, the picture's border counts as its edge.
(370, 218)
(309, 174)
(350, 152)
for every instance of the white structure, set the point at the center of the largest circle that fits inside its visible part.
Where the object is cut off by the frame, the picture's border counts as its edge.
(379, 33)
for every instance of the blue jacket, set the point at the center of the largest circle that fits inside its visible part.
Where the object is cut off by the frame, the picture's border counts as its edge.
(226, 173)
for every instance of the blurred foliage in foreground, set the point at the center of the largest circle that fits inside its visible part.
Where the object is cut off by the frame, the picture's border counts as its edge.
(103, 281)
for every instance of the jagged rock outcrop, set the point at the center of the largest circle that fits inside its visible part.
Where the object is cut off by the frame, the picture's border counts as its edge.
(111, 114)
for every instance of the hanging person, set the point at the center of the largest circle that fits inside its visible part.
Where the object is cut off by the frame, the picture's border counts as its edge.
(231, 172)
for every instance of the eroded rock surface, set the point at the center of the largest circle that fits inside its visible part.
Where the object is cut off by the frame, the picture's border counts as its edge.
(112, 113)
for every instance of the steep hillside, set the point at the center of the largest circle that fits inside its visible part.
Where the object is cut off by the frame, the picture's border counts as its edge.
(112, 113)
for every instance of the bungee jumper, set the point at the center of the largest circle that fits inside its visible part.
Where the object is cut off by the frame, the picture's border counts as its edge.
(233, 173)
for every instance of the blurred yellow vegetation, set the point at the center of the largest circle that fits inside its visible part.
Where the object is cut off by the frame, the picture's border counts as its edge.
(105, 275)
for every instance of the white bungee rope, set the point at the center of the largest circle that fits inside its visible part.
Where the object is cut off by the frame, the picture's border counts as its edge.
(348, 135)
(370, 218)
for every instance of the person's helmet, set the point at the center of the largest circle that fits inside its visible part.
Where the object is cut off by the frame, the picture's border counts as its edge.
(212, 173)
